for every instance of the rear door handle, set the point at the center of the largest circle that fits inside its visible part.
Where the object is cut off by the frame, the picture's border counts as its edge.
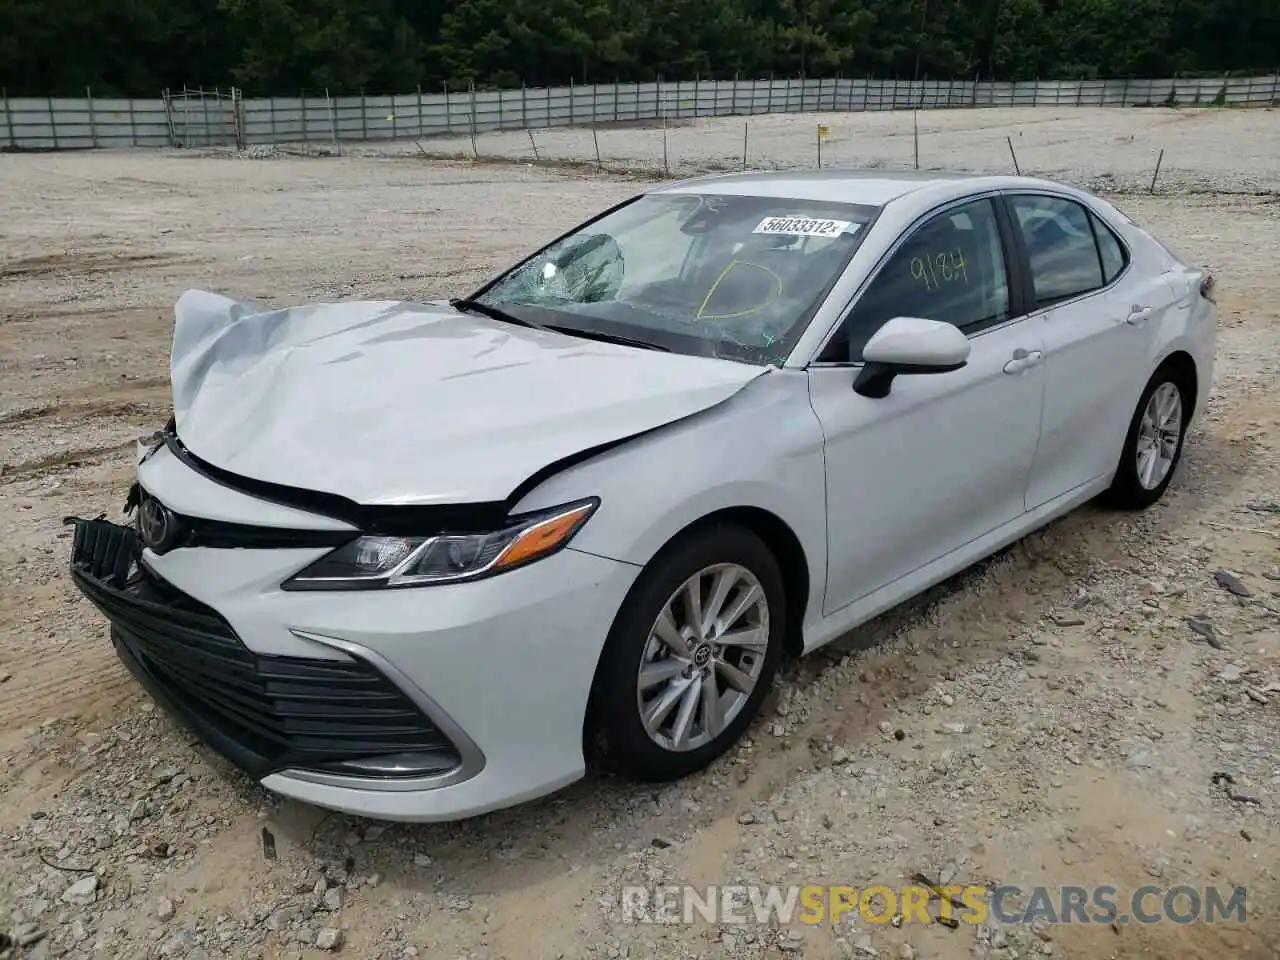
(1022, 360)
(1138, 315)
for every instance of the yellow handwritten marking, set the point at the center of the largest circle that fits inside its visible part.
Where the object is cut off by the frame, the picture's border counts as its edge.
(777, 292)
(936, 269)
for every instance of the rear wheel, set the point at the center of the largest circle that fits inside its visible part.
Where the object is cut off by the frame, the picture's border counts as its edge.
(690, 657)
(1153, 446)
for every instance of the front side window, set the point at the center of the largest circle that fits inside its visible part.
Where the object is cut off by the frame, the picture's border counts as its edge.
(1064, 257)
(951, 269)
(736, 277)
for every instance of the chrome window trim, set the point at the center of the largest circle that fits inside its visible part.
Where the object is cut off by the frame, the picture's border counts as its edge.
(1008, 194)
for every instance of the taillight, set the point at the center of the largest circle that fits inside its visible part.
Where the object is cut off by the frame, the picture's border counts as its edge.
(1206, 288)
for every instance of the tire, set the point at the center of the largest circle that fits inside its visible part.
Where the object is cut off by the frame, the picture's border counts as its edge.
(1133, 488)
(616, 735)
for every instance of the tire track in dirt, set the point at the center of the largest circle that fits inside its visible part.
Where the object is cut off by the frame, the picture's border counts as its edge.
(89, 262)
(81, 677)
(27, 469)
(86, 409)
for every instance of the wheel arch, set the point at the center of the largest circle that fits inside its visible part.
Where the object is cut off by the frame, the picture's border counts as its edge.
(777, 536)
(1182, 366)
(786, 548)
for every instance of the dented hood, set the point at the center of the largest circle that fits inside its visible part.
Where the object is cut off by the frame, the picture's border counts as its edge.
(401, 403)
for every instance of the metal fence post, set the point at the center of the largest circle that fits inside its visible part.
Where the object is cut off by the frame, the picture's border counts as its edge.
(1275, 87)
(53, 122)
(364, 117)
(475, 151)
(93, 124)
(448, 112)
(524, 106)
(572, 104)
(8, 118)
(333, 118)
(419, 111)
(271, 106)
(133, 125)
(615, 99)
(1124, 94)
(306, 137)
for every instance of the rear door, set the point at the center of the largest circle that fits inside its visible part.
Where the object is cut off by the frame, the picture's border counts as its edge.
(1092, 313)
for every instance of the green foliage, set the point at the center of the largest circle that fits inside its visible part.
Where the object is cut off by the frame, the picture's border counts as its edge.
(281, 47)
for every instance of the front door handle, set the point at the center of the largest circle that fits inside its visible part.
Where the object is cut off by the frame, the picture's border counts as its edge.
(1022, 360)
(1138, 315)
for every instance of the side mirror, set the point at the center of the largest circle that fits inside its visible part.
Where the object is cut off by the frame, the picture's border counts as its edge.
(909, 345)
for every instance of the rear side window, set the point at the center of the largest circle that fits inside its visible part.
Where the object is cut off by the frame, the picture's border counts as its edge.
(1110, 250)
(1061, 248)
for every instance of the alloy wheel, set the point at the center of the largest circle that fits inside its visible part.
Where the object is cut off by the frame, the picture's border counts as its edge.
(1159, 432)
(704, 656)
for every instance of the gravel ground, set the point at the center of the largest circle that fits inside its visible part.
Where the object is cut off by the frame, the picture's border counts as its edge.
(1050, 718)
(1104, 149)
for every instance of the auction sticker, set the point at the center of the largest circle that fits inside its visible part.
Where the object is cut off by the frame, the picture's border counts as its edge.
(803, 227)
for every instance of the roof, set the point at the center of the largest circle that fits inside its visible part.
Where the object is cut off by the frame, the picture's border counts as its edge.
(871, 187)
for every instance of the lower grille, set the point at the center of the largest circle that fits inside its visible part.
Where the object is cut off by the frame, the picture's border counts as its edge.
(264, 713)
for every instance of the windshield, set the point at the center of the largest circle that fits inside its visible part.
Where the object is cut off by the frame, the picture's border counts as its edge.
(715, 275)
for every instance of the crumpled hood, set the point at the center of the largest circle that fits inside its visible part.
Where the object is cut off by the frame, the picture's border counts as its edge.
(387, 402)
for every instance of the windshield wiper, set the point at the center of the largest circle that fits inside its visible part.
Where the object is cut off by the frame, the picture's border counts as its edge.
(493, 313)
(610, 338)
(497, 313)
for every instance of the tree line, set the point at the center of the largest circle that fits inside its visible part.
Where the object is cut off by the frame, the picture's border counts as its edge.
(138, 47)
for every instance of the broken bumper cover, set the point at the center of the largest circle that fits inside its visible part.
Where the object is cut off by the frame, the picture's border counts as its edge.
(263, 713)
(323, 697)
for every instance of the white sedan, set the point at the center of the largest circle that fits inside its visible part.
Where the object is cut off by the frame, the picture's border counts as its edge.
(422, 561)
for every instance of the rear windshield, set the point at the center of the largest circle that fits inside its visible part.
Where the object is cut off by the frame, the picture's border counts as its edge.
(726, 276)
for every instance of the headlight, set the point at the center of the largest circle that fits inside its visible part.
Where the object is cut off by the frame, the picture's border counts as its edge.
(370, 562)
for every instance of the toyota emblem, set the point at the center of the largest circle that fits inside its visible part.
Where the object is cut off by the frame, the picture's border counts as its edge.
(157, 526)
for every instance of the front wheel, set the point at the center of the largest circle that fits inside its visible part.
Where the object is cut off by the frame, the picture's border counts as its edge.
(1153, 445)
(691, 655)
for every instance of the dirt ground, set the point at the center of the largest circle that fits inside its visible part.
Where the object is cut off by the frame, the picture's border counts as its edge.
(1049, 719)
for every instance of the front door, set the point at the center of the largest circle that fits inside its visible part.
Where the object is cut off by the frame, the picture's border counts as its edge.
(944, 458)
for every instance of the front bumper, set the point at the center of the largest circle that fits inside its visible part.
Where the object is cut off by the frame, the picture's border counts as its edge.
(426, 704)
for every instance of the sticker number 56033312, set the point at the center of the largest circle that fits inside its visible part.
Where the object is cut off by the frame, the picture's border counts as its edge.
(803, 226)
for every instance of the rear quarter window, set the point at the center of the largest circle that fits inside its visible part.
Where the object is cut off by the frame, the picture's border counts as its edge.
(1127, 219)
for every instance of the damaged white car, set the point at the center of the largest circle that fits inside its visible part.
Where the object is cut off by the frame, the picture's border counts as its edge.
(422, 561)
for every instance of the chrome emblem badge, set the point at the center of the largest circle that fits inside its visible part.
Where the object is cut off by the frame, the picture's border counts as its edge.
(157, 525)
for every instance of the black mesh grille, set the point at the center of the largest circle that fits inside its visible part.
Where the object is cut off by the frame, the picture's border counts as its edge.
(265, 713)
